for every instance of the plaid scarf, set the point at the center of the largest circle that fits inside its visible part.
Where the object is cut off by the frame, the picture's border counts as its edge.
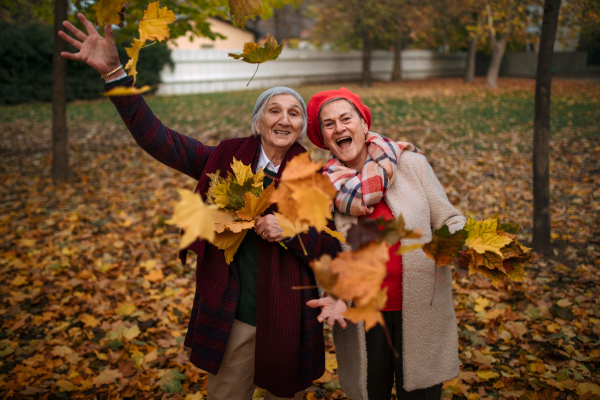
(359, 191)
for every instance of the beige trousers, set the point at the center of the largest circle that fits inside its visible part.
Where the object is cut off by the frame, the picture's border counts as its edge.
(235, 380)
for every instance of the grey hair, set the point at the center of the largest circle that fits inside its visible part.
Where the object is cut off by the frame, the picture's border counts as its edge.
(265, 98)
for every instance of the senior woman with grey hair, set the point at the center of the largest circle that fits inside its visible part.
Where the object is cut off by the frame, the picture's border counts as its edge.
(248, 325)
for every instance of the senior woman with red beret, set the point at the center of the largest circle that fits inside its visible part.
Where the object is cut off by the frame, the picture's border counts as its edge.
(248, 325)
(377, 177)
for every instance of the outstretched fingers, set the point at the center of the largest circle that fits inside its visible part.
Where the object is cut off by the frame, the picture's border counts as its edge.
(75, 43)
(89, 27)
(74, 30)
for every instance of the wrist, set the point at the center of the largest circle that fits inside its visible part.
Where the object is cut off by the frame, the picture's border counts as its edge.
(109, 74)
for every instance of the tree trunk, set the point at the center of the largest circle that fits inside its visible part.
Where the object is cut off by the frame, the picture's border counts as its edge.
(541, 130)
(397, 70)
(470, 70)
(498, 47)
(60, 155)
(366, 58)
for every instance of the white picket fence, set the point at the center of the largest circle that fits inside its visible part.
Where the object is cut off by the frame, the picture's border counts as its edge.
(203, 71)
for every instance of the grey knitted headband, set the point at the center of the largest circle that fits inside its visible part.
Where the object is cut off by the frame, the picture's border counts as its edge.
(275, 91)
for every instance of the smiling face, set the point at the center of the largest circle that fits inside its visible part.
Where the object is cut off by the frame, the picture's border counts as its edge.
(344, 131)
(280, 126)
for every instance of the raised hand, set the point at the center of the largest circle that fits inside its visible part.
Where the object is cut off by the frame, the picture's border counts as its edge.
(96, 51)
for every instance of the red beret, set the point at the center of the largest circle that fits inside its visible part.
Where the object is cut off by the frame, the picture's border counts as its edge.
(314, 108)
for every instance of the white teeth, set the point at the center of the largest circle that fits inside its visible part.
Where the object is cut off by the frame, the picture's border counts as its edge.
(282, 132)
(339, 140)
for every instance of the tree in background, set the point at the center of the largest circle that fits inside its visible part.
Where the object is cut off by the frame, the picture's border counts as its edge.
(541, 130)
(351, 24)
(503, 19)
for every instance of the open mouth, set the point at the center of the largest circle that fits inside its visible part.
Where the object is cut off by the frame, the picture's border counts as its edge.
(344, 143)
(283, 133)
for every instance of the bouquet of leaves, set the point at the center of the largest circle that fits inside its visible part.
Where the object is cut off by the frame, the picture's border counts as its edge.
(234, 203)
(488, 248)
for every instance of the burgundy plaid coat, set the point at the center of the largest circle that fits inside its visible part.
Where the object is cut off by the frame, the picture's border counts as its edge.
(290, 351)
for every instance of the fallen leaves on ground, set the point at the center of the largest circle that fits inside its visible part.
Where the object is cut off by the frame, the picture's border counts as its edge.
(84, 264)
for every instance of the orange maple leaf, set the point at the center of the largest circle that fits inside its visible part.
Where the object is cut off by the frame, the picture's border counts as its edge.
(370, 313)
(153, 25)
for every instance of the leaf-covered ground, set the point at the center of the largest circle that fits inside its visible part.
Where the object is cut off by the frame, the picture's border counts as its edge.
(94, 303)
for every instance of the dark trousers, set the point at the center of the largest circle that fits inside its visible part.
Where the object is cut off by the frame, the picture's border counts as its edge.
(383, 365)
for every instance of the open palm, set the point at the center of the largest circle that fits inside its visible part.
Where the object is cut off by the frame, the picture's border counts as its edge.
(98, 52)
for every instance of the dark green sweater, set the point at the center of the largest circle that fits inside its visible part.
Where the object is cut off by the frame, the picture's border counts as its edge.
(247, 263)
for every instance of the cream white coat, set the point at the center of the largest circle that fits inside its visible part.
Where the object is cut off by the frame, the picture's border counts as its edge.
(430, 337)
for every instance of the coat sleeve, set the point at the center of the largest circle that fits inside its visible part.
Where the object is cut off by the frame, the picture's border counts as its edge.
(180, 152)
(442, 211)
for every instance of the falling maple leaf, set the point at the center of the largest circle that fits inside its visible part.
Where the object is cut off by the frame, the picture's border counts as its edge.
(370, 313)
(133, 52)
(241, 10)
(127, 91)
(255, 54)
(304, 196)
(357, 276)
(107, 11)
(154, 23)
(195, 218)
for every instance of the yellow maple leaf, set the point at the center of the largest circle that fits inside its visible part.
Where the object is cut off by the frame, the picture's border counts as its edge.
(107, 11)
(483, 236)
(127, 91)
(133, 52)
(244, 172)
(153, 25)
(255, 206)
(229, 242)
(370, 313)
(290, 228)
(335, 234)
(235, 226)
(241, 10)
(195, 218)
(360, 273)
